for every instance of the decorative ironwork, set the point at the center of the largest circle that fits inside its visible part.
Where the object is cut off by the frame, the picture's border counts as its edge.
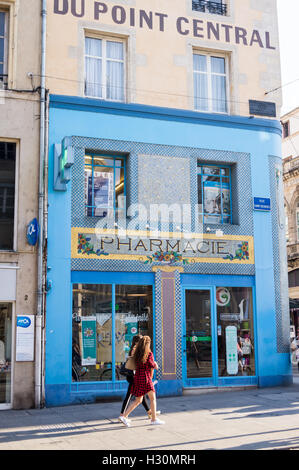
(206, 6)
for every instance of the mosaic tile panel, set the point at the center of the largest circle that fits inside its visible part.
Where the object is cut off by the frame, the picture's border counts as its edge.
(167, 180)
(279, 256)
(241, 182)
(137, 266)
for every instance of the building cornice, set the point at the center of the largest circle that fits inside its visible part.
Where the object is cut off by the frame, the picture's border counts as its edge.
(169, 114)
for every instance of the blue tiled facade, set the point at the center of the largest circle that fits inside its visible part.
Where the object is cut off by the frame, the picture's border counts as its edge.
(163, 145)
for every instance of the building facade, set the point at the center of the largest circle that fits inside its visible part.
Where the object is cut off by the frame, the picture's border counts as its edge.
(165, 183)
(290, 154)
(19, 176)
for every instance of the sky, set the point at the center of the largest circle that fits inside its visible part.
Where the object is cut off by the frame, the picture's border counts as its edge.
(288, 23)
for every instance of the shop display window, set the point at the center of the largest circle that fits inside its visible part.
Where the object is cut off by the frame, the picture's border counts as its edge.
(105, 189)
(214, 194)
(105, 319)
(235, 333)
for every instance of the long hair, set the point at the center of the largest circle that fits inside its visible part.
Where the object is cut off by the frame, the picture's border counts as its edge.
(142, 350)
(135, 340)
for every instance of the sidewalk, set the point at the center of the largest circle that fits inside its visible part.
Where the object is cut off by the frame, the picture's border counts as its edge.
(244, 420)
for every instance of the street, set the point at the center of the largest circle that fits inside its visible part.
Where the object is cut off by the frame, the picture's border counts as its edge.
(250, 419)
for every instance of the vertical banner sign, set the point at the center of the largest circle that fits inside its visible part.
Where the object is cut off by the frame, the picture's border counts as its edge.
(88, 340)
(25, 338)
(231, 350)
(131, 331)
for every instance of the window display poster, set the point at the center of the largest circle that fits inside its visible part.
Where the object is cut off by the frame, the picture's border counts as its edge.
(88, 340)
(104, 340)
(102, 192)
(25, 338)
(131, 331)
(212, 197)
(231, 350)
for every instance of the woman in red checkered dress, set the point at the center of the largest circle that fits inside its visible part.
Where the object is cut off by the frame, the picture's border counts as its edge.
(143, 383)
(143, 377)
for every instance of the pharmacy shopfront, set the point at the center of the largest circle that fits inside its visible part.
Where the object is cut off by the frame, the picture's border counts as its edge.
(202, 327)
(210, 297)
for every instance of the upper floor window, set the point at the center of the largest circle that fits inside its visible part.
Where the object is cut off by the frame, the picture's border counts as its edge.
(7, 194)
(210, 82)
(3, 46)
(285, 129)
(218, 7)
(105, 69)
(214, 194)
(105, 187)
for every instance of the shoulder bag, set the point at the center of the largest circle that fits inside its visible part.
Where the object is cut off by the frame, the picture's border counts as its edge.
(128, 367)
(130, 364)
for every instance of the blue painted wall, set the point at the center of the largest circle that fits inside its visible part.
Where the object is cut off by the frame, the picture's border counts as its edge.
(259, 137)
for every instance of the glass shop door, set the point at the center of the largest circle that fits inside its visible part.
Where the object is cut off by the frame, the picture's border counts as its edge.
(198, 338)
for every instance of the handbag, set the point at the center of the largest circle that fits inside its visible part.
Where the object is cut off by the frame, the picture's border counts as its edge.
(128, 367)
(130, 364)
(125, 372)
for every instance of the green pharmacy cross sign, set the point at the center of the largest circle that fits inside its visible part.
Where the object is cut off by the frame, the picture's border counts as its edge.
(194, 339)
(63, 161)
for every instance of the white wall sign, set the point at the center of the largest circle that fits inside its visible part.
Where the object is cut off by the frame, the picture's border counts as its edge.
(25, 338)
(231, 350)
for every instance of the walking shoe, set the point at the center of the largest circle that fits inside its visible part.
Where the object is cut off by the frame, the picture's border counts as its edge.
(119, 419)
(125, 421)
(157, 421)
(149, 413)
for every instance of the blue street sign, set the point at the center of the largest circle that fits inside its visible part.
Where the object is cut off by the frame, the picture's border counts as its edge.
(32, 232)
(261, 204)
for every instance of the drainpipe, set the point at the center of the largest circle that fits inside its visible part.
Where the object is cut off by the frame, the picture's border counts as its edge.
(46, 165)
(41, 197)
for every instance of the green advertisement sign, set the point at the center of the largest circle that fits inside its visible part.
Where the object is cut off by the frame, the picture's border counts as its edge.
(231, 350)
(88, 338)
(131, 330)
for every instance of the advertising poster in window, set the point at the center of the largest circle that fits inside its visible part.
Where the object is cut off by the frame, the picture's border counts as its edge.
(231, 350)
(88, 340)
(131, 331)
(104, 339)
(215, 198)
(86, 191)
(102, 192)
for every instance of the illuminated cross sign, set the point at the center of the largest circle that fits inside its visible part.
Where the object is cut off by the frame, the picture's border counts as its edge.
(63, 161)
(66, 160)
